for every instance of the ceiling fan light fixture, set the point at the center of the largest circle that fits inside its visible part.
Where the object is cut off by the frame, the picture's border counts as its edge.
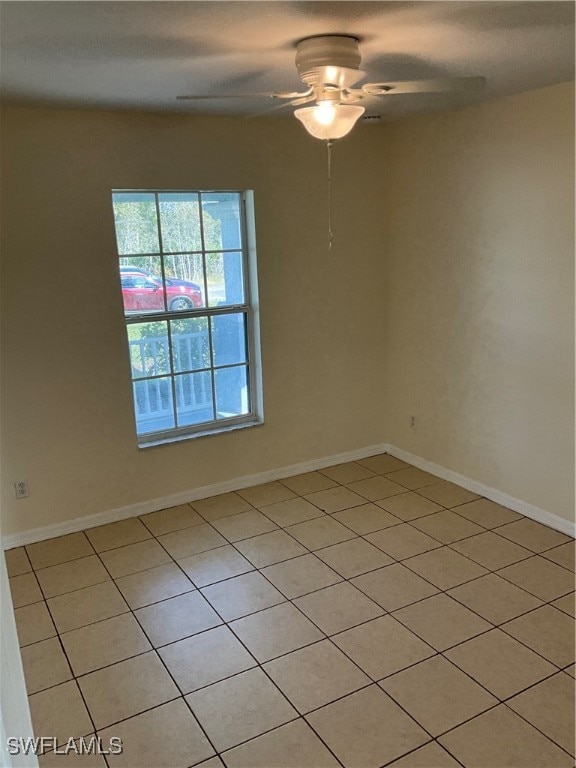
(329, 120)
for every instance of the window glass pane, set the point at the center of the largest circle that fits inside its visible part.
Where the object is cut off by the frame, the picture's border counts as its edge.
(221, 220)
(184, 281)
(136, 222)
(141, 284)
(232, 397)
(194, 403)
(149, 352)
(180, 222)
(190, 344)
(229, 339)
(224, 275)
(153, 405)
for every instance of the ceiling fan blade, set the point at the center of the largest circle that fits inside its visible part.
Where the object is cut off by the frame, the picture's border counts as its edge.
(294, 103)
(265, 95)
(439, 85)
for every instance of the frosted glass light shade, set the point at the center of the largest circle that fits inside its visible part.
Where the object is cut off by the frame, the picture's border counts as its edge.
(328, 120)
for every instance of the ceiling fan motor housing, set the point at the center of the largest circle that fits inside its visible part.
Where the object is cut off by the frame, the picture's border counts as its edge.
(329, 61)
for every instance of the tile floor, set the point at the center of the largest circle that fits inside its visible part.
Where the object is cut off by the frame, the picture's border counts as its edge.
(366, 615)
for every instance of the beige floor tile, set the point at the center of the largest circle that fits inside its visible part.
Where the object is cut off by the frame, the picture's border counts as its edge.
(412, 478)
(382, 647)
(294, 745)
(270, 548)
(351, 558)
(366, 518)
(126, 689)
(206, 658)
(301, 575)
(409, 506)
(562, 555)
(242, 595)
(309, 482)
(532, 535)
(33, 623)
(429, 756)
(487, 513)
(275, 631)
(268, 493)
(315, 675)
(17, 561)
(59, 550)
(566, 604)
(402, 541)
(134, 558)
(217, 507)
(147, 587)
(240, 708)
(85, 606)
(74, 759)
(445, 568)
(348, 472)
(191, 541)
(214, 762)
(376, 488)
(570, 670)
(104, 643)
(60, 712)
(320, 532)
(215, 565)
(495, 599)
(367, 729)
(383, 463)
(540, 577)
(172, 519)
(165, 737)
(441, 621)
(500, 663)
(73, 575)
(501, 738)
(244, 525)
(549, 706)
(337, 608)
(292, 511)
(448, 494)
(176, 618)
(438, 695)
(491, 551)
(44, 665)
(394, 587)
(118, 534)
(25, 590)
(547, 631)
(335, 499)
(446, 526)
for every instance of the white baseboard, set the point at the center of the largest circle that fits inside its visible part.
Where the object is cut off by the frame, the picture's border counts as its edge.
(517, 505)
(141, 508)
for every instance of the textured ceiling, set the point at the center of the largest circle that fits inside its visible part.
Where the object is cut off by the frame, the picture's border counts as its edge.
(141, 55)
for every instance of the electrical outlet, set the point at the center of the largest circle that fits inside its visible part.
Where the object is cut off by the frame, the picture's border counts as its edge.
(21, 488)
(413, 422)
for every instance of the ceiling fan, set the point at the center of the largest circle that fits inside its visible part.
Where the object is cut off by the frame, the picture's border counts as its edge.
(329, 66)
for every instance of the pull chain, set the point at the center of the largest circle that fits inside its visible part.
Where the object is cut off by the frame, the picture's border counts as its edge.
(330, 235)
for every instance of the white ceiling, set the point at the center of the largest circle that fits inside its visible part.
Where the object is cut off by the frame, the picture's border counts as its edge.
(140, 55)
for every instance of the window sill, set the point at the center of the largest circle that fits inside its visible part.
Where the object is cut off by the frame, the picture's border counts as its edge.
(156, 442)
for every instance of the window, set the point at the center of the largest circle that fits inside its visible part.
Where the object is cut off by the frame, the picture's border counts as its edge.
(188, 283)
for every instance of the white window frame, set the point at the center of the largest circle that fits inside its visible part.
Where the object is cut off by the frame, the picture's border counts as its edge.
(250, 308)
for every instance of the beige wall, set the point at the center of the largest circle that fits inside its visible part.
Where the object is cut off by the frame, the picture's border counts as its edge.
(448, 295)
(480, 293)
(67, 411)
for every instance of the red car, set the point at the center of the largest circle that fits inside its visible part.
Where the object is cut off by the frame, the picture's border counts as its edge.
(143, 292)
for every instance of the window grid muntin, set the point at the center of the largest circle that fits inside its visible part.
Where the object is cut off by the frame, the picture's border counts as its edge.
(154, 315)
